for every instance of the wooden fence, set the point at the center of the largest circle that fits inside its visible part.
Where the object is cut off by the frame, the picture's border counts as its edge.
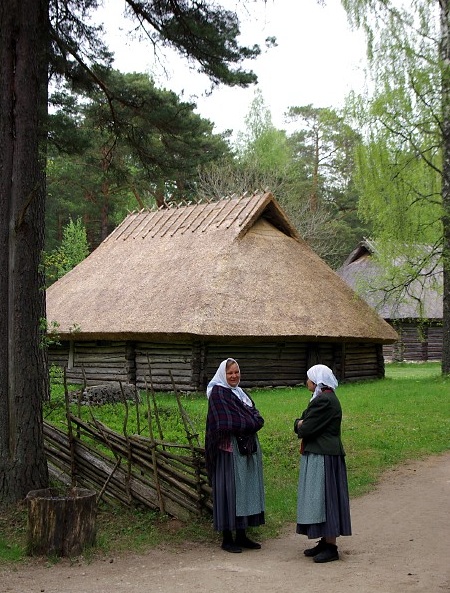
(130, 469)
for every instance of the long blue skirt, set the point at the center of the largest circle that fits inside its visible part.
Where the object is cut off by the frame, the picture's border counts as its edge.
(337, 505)
(224, 497)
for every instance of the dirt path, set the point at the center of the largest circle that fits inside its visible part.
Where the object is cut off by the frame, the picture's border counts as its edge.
(401, 544)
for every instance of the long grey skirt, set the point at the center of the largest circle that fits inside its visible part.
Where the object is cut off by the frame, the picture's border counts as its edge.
(330, 486)
(224, 496)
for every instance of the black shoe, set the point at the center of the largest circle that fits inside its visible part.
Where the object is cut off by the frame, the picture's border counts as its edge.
(231, 547)
(317, 548)
(329, 554)
(247, 543)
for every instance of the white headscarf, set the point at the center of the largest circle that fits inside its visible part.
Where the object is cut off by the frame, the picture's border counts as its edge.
(220, 378)
(322, 376)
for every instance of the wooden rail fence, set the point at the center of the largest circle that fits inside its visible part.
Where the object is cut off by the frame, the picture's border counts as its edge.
(130, 469)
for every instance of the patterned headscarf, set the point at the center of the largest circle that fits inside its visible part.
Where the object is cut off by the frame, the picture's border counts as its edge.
(322, 376)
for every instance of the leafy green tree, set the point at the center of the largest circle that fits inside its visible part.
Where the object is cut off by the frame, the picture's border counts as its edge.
(323, 149)
(399, 194)
(324, 146)
(260, 161)
(407, 149)
(260, 141)
(73, 249)
(159, 134)
(39, 40)
(310, 173)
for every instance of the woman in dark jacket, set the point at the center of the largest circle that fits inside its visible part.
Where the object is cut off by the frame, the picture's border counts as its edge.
(233, 458)
(323, 508)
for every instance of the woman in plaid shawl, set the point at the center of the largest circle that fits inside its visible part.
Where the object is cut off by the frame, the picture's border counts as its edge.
(233, 458)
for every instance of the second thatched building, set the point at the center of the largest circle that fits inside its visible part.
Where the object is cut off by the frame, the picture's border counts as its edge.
(414, 310)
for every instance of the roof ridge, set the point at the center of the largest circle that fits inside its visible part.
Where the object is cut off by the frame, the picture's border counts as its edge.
(202, 216)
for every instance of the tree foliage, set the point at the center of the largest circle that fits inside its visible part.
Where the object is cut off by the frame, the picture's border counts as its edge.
(73, 249)
(148, 156)
(323, 147)
(260, 161)
(310, 172)
(405, 164)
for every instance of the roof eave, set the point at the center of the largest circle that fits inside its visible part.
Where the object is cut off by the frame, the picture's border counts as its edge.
(188, 337)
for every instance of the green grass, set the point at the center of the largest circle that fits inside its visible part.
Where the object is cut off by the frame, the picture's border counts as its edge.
(413, 370)
(403, 417)
(10, 552)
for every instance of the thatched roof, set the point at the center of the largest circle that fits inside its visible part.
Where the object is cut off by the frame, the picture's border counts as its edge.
(234, 268)
(420, 299)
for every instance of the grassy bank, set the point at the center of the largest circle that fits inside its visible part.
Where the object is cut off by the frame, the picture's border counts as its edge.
(405, 416)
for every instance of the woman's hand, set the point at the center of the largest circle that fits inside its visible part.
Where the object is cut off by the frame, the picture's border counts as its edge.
(297, 424)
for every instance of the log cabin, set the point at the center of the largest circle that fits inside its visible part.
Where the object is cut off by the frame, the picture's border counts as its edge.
(172, 292)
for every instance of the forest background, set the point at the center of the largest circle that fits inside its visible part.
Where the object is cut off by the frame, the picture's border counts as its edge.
(95, 178)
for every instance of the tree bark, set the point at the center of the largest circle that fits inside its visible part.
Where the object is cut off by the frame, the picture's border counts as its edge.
(61, 524)
(445, 59)
(23, 100)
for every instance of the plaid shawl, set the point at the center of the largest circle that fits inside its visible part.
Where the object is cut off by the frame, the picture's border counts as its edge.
(227, 416)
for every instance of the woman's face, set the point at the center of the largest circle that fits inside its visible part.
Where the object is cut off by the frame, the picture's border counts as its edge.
(233, 375)
(310, 385)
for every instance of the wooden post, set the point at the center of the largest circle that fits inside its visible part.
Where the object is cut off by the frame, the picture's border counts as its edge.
(60, 524)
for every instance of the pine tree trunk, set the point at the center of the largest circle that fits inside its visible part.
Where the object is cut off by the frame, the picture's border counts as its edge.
(23, 100)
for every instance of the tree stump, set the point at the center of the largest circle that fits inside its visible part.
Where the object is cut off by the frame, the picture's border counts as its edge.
(60, 524)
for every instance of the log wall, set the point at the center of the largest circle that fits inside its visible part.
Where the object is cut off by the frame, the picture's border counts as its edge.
(435, 339)
(418, 342)
(362, 362)
(192, 364)
(97, 361)
(158, 359)
(262, 365)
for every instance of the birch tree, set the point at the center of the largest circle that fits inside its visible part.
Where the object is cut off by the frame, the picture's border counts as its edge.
(406, 117)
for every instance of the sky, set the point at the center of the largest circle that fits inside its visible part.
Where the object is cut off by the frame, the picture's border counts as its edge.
(318, 59)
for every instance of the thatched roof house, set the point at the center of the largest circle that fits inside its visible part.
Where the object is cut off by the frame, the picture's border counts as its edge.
(416, 315)
(182, 288)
